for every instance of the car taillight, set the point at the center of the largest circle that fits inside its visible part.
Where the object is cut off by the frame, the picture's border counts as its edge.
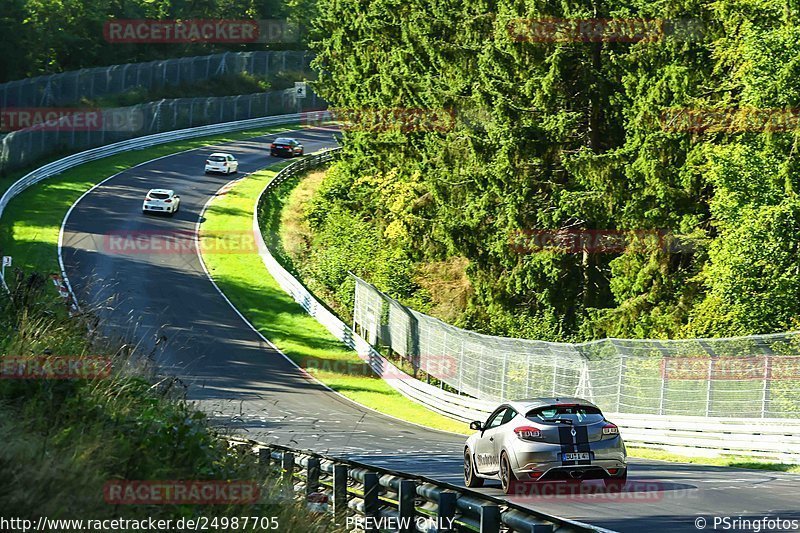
(527, 433)
(148, 199)
(225, 164)
(272, 145)
(610, 429)
(169, 201)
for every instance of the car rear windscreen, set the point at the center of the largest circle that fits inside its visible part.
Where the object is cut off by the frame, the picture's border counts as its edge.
(159, 195)
(216, 158)
(557, 414)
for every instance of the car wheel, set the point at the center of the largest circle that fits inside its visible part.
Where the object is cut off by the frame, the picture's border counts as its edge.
(507, 478)
(470, 478)
(616, 484)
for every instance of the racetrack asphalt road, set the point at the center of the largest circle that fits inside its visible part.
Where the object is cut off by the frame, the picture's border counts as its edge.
(166, 304)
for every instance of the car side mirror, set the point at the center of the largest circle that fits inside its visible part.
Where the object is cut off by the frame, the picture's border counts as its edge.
(477, 425)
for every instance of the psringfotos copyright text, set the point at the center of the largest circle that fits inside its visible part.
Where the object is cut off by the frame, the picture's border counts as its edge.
(747, 523)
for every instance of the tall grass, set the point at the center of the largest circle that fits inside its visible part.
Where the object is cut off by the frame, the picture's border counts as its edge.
(63, 440)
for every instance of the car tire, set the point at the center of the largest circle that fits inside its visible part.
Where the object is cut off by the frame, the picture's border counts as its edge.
(617, 483)
(507, 478)
(470, 478)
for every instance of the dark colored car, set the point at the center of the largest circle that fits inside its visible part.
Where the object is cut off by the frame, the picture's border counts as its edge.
(285, 147)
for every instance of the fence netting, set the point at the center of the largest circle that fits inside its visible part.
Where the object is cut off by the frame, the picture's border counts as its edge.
(70, 88)
(755, 376)
(25, 147)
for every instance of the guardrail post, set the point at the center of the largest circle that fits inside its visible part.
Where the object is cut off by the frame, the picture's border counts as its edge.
(405, 505)
(312, 475)
(446, 511)
(371, 491)
(287, 466)
(264, 458)
(340, 494)
(490, 519)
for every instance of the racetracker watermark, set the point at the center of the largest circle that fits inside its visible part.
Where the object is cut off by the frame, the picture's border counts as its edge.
(730, 120)
(597, 30)
(442, 367)
(747, 523)
(70, 119)
(177, 492)
(201, 31)
(576, 241)
(595, 490)
(402, 119)
(178, 242)
(745, 368)
(54, 367)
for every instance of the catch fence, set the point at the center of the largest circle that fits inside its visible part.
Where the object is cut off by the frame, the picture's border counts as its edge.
(24, 147)
(755, 376)
(70, 88)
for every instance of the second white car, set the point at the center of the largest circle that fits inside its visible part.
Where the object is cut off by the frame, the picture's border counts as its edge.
(222, 162)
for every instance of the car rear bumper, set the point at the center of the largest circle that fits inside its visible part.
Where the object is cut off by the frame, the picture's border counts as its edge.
(543, 461)
(157, 208)
(216, 169)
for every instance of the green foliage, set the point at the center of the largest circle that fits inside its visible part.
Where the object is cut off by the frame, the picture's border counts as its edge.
(64, 439)
(46, 36)
(567, 136)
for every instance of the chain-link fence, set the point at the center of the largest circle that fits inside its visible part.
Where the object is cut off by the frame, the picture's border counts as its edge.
(67, 135)
(756, 376)
(69, 88)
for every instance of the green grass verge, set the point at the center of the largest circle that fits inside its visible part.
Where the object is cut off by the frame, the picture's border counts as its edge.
(728, 460)
(31, 222)
(245, 280)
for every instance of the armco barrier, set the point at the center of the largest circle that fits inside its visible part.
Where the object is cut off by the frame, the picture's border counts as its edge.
(774, 439)
(342, 488)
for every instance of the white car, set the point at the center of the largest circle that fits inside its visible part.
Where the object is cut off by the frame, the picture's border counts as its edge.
(161, 201)
(222, 162)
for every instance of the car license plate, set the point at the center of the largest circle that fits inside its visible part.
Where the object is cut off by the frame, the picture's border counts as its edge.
(579, 456)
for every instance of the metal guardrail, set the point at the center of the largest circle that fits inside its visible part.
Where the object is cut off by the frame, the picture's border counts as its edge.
(344, 488)
(766, 438)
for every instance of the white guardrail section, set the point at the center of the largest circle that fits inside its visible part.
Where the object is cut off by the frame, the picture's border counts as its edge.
(774, 439)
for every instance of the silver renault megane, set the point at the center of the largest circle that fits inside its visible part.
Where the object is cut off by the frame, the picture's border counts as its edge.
(545, 439)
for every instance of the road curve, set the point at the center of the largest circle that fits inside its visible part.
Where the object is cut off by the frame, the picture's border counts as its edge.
(166, 304)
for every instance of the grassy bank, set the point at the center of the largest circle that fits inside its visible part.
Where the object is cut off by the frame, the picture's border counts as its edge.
(64, 440)
(244, 279)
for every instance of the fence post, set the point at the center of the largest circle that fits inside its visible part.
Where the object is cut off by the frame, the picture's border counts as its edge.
(312, 475)
(490, 519)
(264, 458)
(446, 512)
(765, 388)
(287, 466)
(708, 385)
(405, 505)
(340, 494)
(619, 382)
(371, 502)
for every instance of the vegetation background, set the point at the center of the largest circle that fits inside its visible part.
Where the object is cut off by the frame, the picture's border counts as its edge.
(562, 135)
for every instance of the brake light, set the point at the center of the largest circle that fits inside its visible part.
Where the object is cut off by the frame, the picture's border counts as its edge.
(527, 433)
(272, 145)
(148, 199)
(610, 429)
(168, 201)
(225, 164)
